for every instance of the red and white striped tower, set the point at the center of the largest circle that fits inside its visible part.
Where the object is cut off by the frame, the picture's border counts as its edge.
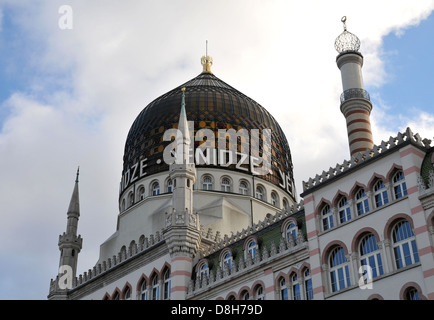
(355, 102)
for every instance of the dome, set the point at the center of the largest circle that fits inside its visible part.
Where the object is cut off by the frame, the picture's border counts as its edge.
(212, 104)
(346, 41)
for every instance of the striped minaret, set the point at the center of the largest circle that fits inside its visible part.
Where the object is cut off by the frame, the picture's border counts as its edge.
(355, 102)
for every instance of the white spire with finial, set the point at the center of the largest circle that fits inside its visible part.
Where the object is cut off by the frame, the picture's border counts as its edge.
(183, 135)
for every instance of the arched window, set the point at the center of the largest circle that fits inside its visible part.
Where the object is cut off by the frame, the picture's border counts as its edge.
(404, 245)
(344, 210)
(252, 248)
(327, 218)
(226, 185)
(207, 183)
(243, 188)
(291, 232)
(412, 294)
(259, 293)
(245, 295)
(370, 256)
(260, 194)
(285, 204)
(141, 193)
(143, 290)
(130, 199)
(169, 185)
(117, 296)
(274, 199)
(155, 189)
(227, 260)
(203, 271)
(166, 284)
(380, 194)
(399, 185)
(362, 203)
(339, 271)
(155, 294)
(295, 287)
(283, 289)
(308, 284)
(123, 205)
(127, 294)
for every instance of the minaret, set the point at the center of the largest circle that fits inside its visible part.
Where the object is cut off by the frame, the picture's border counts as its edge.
(182, 227)
(69, 245)
(355, 102)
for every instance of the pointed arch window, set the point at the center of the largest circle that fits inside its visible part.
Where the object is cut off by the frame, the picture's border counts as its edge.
(127, 294)
(327, 217)
(166, 285)
(283, 289)
(380, 194)
(143, 291)
(155, 293)
(404, 245)
(362, 203)
(308, 284)
(399, 185)
(344, 210)
(295, 287)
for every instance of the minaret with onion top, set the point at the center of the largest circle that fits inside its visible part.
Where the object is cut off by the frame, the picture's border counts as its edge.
(355, 101)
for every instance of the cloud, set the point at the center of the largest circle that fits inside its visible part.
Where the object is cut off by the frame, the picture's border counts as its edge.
(87, 85)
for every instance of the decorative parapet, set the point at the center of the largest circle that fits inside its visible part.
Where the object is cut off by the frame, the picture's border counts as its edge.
(228, 240)
(244, 266)
(360, 158)
(107, 265)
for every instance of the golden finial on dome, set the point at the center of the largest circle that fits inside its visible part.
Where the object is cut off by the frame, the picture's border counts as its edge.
(206, 61)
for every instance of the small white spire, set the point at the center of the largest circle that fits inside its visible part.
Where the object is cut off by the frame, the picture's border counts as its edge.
(183, 135)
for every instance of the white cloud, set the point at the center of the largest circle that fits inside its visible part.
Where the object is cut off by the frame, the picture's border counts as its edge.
(89, 84)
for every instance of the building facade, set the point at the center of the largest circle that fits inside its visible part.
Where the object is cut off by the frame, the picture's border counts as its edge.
(208, 207)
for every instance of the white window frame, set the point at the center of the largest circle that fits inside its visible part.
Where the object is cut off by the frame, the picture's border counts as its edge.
(243, 188)
(341, 267)
(226, 184)
(381, 197)
(399, 185)
(407, 244)
(372, 257)
(344, 210)
(362, 202)
(326, 218)
(207, 183)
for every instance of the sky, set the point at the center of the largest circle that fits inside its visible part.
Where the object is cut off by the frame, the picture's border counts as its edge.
(68, 97)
